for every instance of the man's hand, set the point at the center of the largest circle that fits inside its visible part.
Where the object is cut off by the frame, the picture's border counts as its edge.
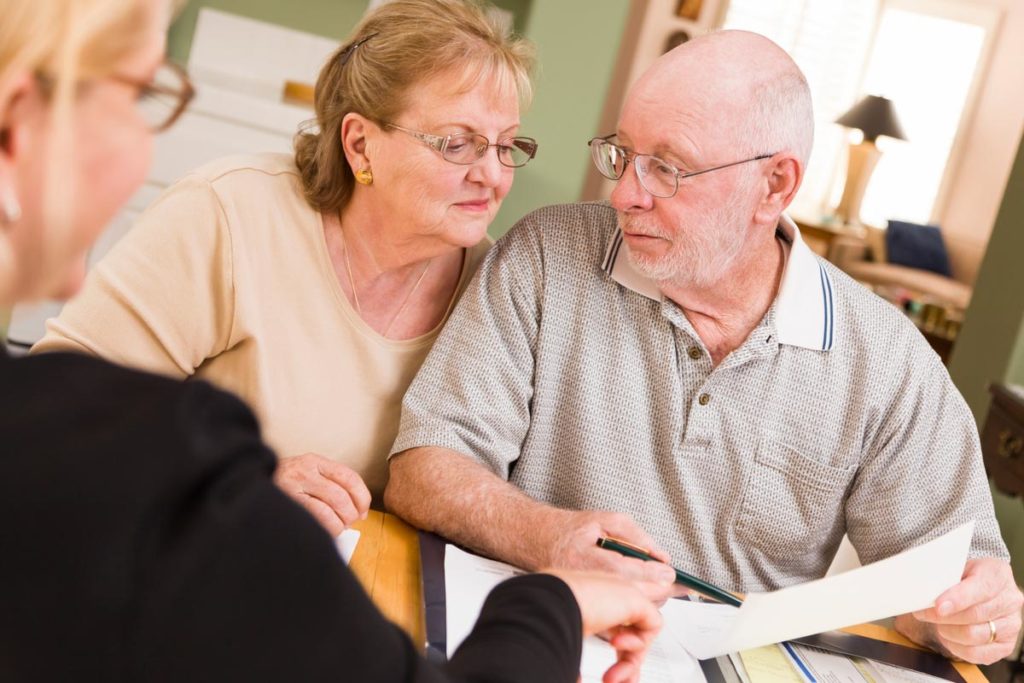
(333, 493)
(572, 544)
(622, 612)
(976, 620)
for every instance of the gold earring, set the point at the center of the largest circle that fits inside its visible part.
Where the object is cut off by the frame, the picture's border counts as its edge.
(10, 210)
(364, 176)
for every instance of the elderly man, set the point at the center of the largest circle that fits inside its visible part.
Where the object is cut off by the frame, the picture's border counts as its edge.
(679, 370)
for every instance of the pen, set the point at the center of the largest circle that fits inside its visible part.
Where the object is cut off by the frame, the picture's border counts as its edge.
(688, 580)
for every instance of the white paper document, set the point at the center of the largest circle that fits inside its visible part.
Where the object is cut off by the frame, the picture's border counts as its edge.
(902, 583)
(469, 578)
(346, 544)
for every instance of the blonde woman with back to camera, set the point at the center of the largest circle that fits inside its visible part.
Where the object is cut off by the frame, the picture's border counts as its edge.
(143, 537)
(313, 286)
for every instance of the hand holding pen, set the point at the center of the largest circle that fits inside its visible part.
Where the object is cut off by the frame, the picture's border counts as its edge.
(566, 539)
(701, 586)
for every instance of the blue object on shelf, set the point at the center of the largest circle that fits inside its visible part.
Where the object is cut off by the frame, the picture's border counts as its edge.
(917, 246)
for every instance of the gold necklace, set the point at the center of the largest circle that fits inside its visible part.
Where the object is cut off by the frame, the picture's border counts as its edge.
(355, 294)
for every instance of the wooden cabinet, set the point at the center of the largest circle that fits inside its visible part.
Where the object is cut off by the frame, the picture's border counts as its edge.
(1002, 439)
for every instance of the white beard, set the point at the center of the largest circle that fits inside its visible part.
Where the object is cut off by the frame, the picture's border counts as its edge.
(699, 258)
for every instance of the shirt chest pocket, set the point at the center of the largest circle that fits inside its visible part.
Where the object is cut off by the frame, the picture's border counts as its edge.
(791, 503)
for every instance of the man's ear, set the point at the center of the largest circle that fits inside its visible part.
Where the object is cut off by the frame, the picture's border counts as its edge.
(784, 175)
(355, 130)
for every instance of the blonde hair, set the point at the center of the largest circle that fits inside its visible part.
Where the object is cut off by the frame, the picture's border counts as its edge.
(67, 42)
(395, 47)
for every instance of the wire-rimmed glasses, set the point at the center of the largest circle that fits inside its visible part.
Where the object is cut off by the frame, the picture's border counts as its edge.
(467, 148)
(658, 177)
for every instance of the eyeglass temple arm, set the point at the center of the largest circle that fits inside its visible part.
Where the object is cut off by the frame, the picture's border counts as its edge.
(718, 168)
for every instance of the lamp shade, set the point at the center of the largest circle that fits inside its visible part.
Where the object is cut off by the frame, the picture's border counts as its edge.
(875, 116)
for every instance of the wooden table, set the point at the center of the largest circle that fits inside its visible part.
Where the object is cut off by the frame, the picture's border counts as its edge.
(819, 235)
(387, 562)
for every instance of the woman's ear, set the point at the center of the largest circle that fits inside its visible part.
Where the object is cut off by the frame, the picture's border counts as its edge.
(355, 131)
(19, 102)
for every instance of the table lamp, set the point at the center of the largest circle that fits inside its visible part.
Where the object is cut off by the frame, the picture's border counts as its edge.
(874, 116)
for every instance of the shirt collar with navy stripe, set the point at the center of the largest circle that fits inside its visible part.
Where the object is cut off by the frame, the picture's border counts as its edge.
(804, 306)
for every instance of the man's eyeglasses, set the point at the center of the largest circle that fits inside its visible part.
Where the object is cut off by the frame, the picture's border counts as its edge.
(658, 177)
(467, 148)
(161, 100)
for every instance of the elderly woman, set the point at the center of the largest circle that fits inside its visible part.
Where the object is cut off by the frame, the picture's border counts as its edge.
(313, 287)
(142, 536)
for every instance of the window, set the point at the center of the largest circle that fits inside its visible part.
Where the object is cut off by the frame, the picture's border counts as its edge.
(923, 55)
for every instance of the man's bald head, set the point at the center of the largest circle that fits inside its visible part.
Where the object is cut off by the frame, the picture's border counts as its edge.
(740, 88)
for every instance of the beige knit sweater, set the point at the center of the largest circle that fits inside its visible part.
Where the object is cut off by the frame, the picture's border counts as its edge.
(226, 277)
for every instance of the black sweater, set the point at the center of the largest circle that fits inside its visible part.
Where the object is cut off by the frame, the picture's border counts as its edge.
(141, 538)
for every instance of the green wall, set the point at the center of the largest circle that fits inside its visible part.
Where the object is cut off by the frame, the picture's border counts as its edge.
(329, 18)
(1015, 372)
(577, 42)
(990, 347)
(1007, 281)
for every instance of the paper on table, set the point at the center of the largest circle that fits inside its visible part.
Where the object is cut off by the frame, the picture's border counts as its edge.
(346, 544)
(666, 662)
(769, 664)
(699, 626)
(902, 583)
(737, 664)
(828, 666)
(467, 581)
(469, 578)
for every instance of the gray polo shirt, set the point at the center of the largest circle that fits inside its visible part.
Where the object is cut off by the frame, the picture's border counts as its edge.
(567, 372)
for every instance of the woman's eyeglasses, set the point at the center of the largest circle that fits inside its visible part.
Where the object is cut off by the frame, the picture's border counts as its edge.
(467, 148)
(161, 100)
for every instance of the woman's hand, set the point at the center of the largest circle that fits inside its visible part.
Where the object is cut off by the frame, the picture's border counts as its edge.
(333, 493)
(620, 611)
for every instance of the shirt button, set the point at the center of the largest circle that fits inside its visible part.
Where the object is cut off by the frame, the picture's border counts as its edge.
(704, 399)
(694, 352)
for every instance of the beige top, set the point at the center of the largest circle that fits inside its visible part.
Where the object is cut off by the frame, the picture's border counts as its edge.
(226, 277)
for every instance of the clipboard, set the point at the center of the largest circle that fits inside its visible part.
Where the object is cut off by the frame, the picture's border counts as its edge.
(432, 563)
